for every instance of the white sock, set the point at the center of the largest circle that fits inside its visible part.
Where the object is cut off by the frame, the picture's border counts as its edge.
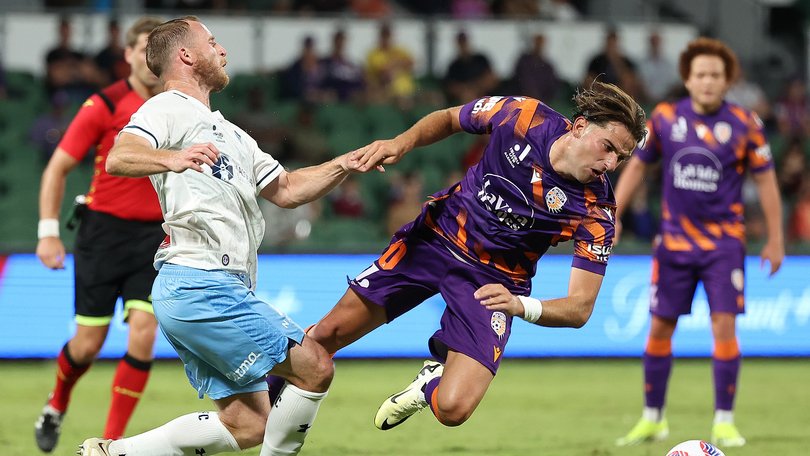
(290, 420)
(188, 435)
(723, 416)
(653, 414)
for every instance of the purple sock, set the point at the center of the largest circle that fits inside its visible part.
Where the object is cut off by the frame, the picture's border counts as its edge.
(656, 377)
(428, 390)
(275, 385)
(725, 382)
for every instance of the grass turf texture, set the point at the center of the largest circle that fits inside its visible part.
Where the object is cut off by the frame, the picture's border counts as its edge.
(543, 407)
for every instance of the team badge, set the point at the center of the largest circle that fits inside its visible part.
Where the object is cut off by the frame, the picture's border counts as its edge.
(722, 132)
(498, 323)
(555, 199)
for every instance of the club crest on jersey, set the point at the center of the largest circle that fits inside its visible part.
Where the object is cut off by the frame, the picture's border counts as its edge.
(555, 199)
(722, 132)
(498, 323)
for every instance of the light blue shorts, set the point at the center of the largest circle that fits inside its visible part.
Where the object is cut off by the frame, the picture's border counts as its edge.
(227, 338)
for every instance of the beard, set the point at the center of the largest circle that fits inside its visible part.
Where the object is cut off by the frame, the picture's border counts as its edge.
(211, 75)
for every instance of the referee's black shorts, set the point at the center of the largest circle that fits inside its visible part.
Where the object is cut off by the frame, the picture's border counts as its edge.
(113, 257)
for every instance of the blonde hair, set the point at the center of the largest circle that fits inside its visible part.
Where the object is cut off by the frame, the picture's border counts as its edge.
(164, 39)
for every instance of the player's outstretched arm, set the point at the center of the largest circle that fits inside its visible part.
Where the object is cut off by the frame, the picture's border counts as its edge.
(774, 250)
(134, 156)
(430, 129)
(292, 189)
(50, 249)
(572, 311)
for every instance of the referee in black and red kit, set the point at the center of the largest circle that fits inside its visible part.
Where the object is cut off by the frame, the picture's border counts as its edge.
(120, 231)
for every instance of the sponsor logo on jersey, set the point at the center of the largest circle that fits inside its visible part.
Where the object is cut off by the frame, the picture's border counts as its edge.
(498, 323)
(244, 367)
(222, 169)
(556, 199)
(696, 169)
(764, 152)
(502, 209)
(537, 176)
(600, 252)
(485, 104)
(512, 154)
(679, 130)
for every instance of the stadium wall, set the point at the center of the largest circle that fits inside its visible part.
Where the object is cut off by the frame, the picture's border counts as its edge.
(36, 310)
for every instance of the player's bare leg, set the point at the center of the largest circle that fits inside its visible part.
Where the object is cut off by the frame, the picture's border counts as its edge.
(726, 368)
(452, 392)
(352, 318)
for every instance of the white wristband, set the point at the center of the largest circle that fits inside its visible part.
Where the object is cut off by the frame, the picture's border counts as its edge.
(48, 228)
(532, 308)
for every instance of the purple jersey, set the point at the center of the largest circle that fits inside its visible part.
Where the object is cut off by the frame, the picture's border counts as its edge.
(512, 206)
(704, 160)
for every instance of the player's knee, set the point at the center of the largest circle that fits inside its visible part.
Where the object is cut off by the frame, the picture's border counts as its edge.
(453, 410)
(84, 350)
(321, 374)
(248, 432)
(454, 416)
(143, 334)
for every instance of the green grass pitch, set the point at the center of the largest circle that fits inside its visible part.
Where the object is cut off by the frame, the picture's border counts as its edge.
(565, 407)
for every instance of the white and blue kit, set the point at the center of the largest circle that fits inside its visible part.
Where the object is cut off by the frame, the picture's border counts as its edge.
(203, 296)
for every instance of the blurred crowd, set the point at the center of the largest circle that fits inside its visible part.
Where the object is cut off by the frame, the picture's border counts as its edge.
(313, 81)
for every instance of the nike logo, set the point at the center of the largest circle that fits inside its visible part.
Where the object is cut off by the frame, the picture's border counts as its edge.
(386, 426)
(395, 396)
(497, 352)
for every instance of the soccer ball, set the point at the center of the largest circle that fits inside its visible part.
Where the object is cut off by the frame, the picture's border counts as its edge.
(695, 448)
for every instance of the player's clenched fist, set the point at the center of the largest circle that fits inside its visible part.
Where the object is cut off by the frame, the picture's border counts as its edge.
(51, 252)
(193, 157)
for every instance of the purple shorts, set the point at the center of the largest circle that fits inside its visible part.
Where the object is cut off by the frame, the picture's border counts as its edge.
(415, 267)
(675, 277)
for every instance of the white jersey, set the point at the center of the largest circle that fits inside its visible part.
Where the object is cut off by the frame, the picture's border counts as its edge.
(212, 218)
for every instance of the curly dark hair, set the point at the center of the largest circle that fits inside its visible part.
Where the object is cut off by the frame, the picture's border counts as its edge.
(708, 46)
(603, 103)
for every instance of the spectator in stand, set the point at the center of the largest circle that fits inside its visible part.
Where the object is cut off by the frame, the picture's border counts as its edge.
(469, 75)
(659, 77)
(516, 8)
(611, 65)
(259, 123)
(342, 78)
(389, 69)
(407, 199)
(535, 75)
(750, 95)
(347, 199)
(65, 67)
(792, 168)
(48, 128)
(793, 110)
(304, 143)
(110, 60)
(302, 80)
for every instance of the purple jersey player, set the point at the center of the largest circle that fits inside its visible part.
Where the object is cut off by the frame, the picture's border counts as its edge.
(705, 146)
(541, 181)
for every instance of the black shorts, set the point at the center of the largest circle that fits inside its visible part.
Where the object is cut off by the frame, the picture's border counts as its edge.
(113, 257)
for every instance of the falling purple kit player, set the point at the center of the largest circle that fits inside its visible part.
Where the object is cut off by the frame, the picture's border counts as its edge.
(706, 146)
(540, 182)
